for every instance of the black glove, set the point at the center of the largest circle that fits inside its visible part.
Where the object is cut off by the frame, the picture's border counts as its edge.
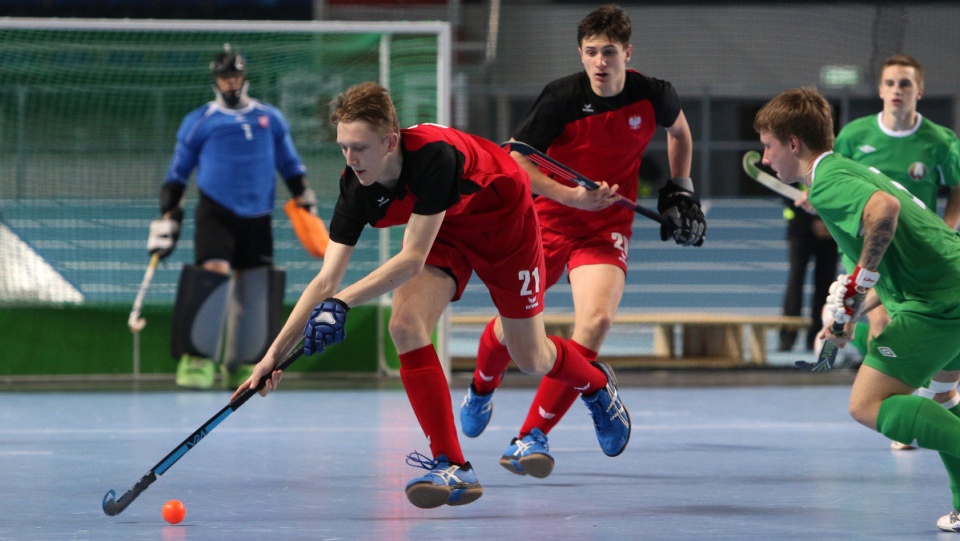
(164, 233)
(681, 207)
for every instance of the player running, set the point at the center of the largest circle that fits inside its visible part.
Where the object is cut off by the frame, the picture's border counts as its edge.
(598, 122)
(921, 156)
(468, 208)
(904, 253)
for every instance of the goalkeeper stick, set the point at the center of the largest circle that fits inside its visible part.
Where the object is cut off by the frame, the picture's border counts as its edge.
(562, 171)
(828, 353)
(112, 506)
(750, 161)
(135, 322)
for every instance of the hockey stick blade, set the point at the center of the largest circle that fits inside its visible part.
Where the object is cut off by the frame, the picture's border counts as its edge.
(113, 506)
(828, 353)
(562, 171)
(750, 161)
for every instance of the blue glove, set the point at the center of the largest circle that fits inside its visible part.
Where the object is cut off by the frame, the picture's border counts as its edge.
(325, 326)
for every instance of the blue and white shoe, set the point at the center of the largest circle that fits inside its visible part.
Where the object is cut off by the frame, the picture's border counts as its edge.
(529, 455)
(610, 418)
(446, 483)
(475, 412)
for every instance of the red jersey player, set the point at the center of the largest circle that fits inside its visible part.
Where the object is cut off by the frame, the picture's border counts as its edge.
(598, 122)
(468, 208)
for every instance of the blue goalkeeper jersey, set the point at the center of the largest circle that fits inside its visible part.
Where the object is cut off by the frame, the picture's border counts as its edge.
(236, 153)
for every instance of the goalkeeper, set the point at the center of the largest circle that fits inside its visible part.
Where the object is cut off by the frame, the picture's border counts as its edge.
(229, 303)
(598, 121)
(904, 253)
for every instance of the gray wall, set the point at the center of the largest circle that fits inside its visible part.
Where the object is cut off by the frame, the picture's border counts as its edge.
(723, 60)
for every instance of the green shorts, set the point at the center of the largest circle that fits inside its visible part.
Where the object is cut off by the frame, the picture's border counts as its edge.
(914, 347)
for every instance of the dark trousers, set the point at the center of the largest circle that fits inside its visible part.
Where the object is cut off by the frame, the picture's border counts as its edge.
(803, 248)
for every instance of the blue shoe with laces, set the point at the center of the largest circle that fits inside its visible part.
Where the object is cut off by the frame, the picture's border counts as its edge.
(529, 455)
(610, 418)
(475, 412)
(444, 484)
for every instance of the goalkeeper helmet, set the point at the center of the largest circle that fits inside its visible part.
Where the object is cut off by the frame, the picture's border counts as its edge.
(226, 64)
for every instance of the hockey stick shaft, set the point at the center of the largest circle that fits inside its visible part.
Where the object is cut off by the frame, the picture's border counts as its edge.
(562, 171)
(112, 506)
(750, 161)
(134, 321)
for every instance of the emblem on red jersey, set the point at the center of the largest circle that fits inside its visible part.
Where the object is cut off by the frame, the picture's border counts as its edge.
(635, 122)
(917, 170)
(264, 121)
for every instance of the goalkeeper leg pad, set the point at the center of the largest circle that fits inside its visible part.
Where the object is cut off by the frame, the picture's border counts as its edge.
(198, 313)
(254, 315)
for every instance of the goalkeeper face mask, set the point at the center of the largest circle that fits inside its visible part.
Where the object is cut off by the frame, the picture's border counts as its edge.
(231, 90)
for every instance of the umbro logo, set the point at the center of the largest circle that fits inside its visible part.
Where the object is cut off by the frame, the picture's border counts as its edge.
(382, 201)
(886, 352)
(866, 149)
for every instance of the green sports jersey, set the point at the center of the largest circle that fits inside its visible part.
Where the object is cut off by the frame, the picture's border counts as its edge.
(921, 159)
(920, 271)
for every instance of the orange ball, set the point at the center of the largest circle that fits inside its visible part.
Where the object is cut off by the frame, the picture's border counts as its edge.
(174, 511)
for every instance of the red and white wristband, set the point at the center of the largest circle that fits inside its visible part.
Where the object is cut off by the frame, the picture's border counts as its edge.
(863, 278)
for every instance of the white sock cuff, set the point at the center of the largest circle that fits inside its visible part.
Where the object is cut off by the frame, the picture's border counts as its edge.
(942, 386)
(950, 404)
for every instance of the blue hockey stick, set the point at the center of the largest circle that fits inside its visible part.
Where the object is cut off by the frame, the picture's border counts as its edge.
(112, 506)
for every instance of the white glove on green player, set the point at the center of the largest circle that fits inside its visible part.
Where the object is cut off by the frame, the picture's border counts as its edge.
(845, 301)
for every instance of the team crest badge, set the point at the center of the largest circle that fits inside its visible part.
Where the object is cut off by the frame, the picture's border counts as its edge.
(264, 121)
(635, 122)
(917, 170)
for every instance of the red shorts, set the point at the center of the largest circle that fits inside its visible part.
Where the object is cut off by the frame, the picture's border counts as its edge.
(561, 251)
(506, 255)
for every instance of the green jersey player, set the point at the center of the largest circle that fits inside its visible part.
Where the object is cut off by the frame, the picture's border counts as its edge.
(902, 251)
(921, 156)
(916, 152)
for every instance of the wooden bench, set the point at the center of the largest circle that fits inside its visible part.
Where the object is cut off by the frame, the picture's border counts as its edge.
(704, 338)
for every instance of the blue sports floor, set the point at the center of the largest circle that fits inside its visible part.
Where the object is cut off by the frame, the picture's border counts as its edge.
(733, 455)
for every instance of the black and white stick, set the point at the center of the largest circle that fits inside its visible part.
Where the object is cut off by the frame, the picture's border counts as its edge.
(562, 171)
(113, 506)
(828, 353)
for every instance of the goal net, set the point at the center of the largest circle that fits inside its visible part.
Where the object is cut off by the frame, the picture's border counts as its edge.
(88, 116)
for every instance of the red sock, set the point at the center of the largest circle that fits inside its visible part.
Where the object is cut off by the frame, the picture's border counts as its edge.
(492, 360)
(553, 399)
(429, 394)
(571, 368)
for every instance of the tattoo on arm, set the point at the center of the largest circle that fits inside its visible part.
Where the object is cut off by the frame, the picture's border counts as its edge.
(876, 240)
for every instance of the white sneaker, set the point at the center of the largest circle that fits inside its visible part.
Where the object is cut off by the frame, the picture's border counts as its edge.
(949, 523)
(897, 446)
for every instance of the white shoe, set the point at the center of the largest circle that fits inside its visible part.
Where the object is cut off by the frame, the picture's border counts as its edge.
(949, 523)
(897, 446)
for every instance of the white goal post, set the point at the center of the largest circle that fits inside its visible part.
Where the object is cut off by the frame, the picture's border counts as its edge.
(33, 171)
